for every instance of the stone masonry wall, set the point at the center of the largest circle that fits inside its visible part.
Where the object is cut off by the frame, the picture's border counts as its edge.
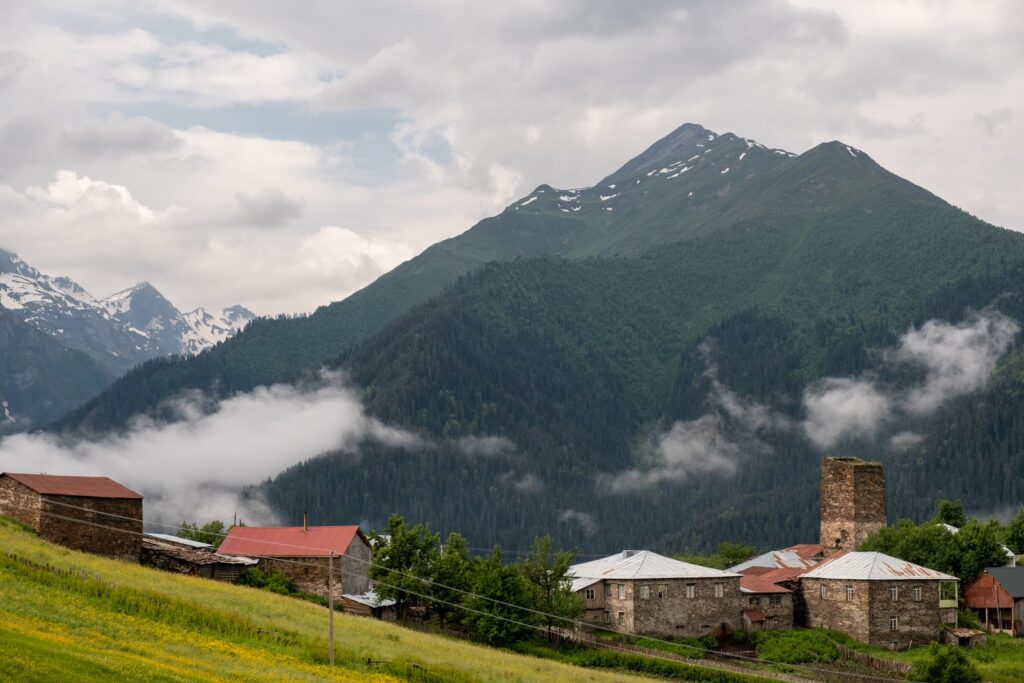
(109, 526)
(355, 567)
(674, 614)
(836, 610)
(20, 502)
(852, 502)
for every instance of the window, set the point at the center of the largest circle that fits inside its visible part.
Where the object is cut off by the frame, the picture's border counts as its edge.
(719, 590)
(894, 593)
(645, 592)
(622, 591)
(663, 591)
(590, 594)
(849, 592)
(622, 618)
(917, 593)
(894, 623)
(607, 591)
(691, 590)
(775, 600)
(755, 601)
(824, 592)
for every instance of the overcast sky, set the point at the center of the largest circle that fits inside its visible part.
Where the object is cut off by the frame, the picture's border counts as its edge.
(281, 155)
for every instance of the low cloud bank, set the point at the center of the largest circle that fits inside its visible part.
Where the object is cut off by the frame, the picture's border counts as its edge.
(195, 469)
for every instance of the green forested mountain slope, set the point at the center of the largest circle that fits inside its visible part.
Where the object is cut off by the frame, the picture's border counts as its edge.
(40, 379)
(667, 204)
(582, 363)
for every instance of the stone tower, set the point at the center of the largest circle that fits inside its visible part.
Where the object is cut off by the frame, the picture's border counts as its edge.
(852, 502)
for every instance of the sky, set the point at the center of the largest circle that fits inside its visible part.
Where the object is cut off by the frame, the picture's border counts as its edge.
(283, 155)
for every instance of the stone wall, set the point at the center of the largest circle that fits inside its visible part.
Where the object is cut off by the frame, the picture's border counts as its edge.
(355, 567)
(852, 502)
(20, 502)
(866, 616)
(108, 526)
(666, 611)
(310, 573)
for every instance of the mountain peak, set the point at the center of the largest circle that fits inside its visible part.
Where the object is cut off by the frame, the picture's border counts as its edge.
(680, 143)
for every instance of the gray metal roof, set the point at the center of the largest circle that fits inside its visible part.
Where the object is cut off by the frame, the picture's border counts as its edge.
(871, 566)
(180, 541)
(639, 565)
(370, 599)
(1010, 578)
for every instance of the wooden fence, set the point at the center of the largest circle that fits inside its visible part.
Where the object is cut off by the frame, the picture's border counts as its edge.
(887, 665)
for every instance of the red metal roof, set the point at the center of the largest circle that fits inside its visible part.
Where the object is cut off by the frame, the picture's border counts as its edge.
(289, 541)
(83, 487)
(806, 551)
(756, 584)
(782, 574)
(754, 614)
(757, 571)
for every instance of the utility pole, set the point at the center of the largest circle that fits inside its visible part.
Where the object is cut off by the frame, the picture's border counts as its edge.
(330, 606)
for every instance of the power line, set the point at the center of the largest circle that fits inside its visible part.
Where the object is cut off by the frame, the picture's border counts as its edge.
(370, 563)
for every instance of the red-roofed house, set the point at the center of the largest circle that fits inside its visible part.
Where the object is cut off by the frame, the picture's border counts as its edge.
(766, 606)
(93, 514)
(302, 552)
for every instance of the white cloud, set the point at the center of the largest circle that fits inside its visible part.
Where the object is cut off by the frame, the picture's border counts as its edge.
(486, 446)
(842, 407)
(584, 520)
(195, 468)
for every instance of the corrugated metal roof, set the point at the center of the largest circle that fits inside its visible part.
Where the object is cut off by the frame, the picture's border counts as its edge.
(370, 599)
(289, 541)
(181, 541)
(82, 487)
(754, 614)
(755, 584)
(643, 564)
(872, 566)
(580, 584)
(775, 559)
(780, 575)
(807, 551)
(1010, 578)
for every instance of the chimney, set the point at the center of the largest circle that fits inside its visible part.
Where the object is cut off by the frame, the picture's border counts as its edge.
(305, 521)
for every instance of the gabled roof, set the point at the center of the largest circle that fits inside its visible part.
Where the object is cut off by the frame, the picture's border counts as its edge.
(83, 487)
(872, 566)
(1010, 578)
(788, 558)
(639, 565)
(289, 541)
(755, 584)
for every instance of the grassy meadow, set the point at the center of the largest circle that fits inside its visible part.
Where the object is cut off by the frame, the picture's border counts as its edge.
(65, 615)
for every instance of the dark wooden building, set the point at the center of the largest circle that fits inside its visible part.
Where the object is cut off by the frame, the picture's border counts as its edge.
(193, 558)
(303, 553)
(997, 597)
(93, 514)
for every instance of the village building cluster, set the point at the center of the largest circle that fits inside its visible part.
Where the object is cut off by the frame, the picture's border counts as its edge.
(875, 598)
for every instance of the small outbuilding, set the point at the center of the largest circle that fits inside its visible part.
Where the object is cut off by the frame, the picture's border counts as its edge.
(369, 604)
(193, 558)
(997, 597)
(304, 553)
(767, 606)
(93, 514)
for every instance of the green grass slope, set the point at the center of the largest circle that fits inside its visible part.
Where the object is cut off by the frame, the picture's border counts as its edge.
(69, 616)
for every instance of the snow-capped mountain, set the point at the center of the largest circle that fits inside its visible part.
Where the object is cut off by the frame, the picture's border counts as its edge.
(119, 331)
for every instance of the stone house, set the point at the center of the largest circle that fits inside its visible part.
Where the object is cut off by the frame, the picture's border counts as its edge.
(303, 553)
(766, 606)
(93, 514)
(184, 556)
(997, 597)
(878, 599)
(643, 593)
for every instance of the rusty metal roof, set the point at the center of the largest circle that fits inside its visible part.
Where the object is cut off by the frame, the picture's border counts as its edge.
(872, 566)
(82, 487)
(289, 541)
(755, 584)
(776, 559)
(754, 614)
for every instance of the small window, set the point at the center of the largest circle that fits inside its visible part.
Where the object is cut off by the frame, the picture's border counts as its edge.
(775, 600)
(894, 623)
(824, 592)
(645, 592)
(622, 591)
(691, 590)
(755, 601)
(917, 593)
(719, 590)
(849, 592)
(622, 618)
(607, 591)
(590, 594)
(663, 591)
(894, 593)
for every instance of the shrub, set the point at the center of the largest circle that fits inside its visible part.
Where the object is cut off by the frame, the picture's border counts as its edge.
(272, 580)
(795, 647)
(946, 665)
(740, 637)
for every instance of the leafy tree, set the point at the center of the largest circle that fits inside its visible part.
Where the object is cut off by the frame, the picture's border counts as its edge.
(728, 554)
(453, 572)
(405, 559)
(551, 588)
(951, 512)
(212, 532)
(979, 545)
(1015, 533)
(494, 622)
(946, 665)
